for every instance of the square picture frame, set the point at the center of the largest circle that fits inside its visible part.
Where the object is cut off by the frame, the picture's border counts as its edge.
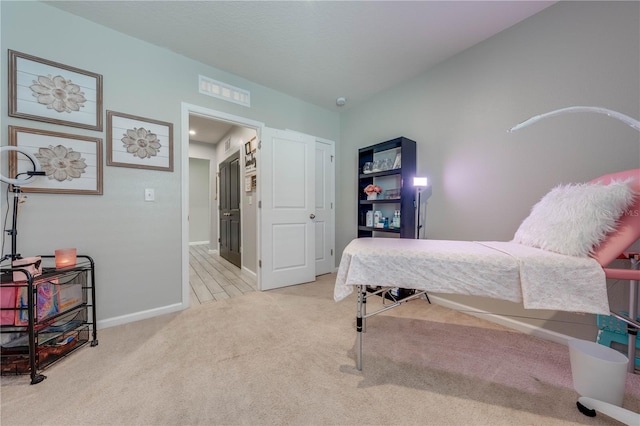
(48, 91)
(138, 142)
(81, 155)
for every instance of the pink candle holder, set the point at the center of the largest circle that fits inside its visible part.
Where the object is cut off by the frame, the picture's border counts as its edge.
(65, 258)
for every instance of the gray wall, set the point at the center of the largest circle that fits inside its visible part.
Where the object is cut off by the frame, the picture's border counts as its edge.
(484, 179)
(136, 245)
(199, 201)
(206, 151)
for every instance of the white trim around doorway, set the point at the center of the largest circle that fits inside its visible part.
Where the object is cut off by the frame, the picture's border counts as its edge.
(187, 109)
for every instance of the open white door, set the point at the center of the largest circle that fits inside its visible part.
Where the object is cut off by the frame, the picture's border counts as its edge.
(324, 210)
(287, 187)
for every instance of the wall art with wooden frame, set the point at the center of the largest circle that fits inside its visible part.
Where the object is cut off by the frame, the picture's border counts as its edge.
(72, 163)
(139, 142)
(52, 92)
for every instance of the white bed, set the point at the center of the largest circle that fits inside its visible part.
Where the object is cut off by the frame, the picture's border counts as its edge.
(558, 259)
(501, 270)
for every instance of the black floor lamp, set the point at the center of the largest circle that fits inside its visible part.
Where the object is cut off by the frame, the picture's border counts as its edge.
(15, 183)
(422, 185)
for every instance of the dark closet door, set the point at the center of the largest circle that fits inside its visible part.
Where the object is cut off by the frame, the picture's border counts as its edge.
(230, 209)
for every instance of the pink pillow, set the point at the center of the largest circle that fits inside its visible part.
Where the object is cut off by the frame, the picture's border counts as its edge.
(628, 230)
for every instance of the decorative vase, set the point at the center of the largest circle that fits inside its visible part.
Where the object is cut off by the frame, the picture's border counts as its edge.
(373, 196)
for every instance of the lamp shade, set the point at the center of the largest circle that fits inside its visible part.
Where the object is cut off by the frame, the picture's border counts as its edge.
(420, 181)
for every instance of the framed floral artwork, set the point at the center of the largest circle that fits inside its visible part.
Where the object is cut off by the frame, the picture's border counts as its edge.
(48, 91)
(139, 142)
(72, 163)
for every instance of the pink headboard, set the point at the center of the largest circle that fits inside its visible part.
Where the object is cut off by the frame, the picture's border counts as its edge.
(628, 230)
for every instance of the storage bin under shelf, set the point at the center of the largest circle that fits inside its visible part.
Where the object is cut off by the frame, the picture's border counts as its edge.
(16, 360)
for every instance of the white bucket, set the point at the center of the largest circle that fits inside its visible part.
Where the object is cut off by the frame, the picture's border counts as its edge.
(598, 371)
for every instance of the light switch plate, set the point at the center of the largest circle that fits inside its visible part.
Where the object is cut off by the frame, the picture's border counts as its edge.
(149, 194)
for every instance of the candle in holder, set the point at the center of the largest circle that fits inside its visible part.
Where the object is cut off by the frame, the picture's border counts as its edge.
(65, 258)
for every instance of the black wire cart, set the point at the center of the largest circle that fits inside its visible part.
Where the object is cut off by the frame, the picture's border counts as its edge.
(46, 317)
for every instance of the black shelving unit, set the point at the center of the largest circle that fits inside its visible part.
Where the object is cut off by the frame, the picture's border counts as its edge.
(396, 181)
(43, 333)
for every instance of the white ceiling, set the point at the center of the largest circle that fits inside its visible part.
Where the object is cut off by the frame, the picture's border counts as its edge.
(208, 130)
(312, 50)
(316, 51)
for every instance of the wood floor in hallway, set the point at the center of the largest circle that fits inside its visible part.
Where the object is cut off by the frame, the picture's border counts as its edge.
(212, 278)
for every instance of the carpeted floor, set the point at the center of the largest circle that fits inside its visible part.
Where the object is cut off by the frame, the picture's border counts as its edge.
(286, 357)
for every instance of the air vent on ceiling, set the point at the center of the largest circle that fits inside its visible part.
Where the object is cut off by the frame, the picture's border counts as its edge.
(220, 90)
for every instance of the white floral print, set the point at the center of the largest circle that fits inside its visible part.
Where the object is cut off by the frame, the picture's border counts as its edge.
(141, 143)
(58, 93)
(61, 163)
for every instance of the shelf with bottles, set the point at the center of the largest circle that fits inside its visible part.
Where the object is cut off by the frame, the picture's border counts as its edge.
(389, 167)
(384, 220)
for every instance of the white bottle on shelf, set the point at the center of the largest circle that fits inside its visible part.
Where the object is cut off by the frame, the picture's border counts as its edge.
(369, 220)
(396, 219)
(377, 216)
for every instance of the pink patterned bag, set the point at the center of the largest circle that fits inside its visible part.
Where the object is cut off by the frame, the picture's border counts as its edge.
(31, 264)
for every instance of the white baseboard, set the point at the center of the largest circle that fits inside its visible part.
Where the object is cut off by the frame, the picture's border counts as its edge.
(529, 329)
(250, 272)
(213, 251)
(198, 243)
(137, 316)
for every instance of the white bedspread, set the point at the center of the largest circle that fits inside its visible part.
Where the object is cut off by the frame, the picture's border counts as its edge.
(501, 270)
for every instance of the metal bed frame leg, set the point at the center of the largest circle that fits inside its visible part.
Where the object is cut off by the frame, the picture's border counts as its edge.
(633, 314)
(360, 320)
(361, 315)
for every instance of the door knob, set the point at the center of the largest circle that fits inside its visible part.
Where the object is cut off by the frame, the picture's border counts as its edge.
(312, 216)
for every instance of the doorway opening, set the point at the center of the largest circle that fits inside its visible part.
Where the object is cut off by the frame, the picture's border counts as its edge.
(219, 138)
(302, 167)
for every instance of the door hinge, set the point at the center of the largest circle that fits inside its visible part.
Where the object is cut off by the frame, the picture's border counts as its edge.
(260, 204)
(259, 263)
(331, 205)
(332, 158)
(219, 240)
(260, 144)
(331, 252)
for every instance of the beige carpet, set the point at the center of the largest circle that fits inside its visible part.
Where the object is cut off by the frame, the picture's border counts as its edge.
(286, 357)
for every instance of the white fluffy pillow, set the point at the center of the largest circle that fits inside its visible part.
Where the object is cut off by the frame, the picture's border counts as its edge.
(573, 219)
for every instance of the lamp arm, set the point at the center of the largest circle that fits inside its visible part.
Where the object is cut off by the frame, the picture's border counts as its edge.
(614, 114)
(34, 161)
(37, 171)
